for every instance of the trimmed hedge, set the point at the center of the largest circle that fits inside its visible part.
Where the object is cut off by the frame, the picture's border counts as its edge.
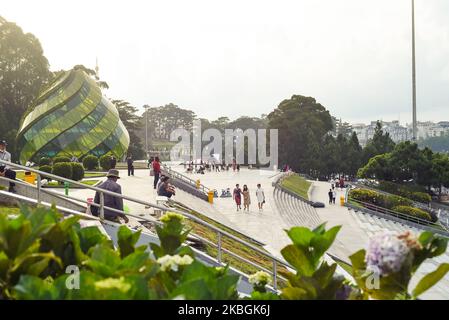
(60, 159)
(46, 168)
(414, 212)
(90, 162)
(105, 162)
(62, 169)
(44, 161)
(77, 171)
(379, 199)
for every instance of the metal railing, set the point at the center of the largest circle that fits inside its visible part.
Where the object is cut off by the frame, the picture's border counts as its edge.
(276, 262)
(184, 178)
(399, 215)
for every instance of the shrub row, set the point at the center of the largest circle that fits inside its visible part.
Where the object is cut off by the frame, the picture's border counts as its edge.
(68, 170)
(392, 202)
(414, 212)
(90, 162)
(379, 199)
(411, 192)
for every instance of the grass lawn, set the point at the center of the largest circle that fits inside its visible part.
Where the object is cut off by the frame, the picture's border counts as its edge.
(9, 210)
(297, 184)
(94, 174)
(230, 245)
(57, 185)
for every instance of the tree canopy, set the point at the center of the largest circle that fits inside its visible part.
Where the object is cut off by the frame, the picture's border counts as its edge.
(407, 163)
(23, 71)
(302, 124)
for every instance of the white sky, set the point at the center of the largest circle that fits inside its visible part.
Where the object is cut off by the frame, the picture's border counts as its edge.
(244, 57)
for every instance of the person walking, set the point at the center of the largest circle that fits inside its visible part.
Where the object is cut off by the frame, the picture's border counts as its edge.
(334, 196)
(5, 171)
(260, 195)
(331, 196)
(246, 198)
(130, 163)
(110, 201)
(332, 183)
(156, 170)
(113, 162)
(237, 196)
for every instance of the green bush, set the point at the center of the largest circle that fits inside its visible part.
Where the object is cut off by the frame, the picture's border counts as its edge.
(365, 195)
(44, 161)
(414, 212)
(62, 169)
(392, 201)
(421, 197)
(90, 162)
(60, 159)
(379, 199)
(105, 162)
(46, 168)
(77, 171)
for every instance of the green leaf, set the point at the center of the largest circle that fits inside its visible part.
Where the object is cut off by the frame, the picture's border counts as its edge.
(431, 279)
(104, 260)
(127, 240)
(34, 288)
(298, 259)
(89, 237)
(134, 261)
(294, 293)
(324, 274)
(358, 260)
(300, 236)
(322, 243)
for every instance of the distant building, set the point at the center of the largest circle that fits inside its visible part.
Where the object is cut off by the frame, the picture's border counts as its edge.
(398, 132)
(429, 129)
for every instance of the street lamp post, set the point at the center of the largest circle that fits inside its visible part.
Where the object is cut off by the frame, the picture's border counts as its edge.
(414, 73)
(146, 128)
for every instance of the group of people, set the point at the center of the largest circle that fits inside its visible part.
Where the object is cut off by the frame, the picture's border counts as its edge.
(211, 166)
(335, 183)
(238, 194)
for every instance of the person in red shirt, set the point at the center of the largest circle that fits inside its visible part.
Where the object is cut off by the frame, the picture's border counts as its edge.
(157, 170)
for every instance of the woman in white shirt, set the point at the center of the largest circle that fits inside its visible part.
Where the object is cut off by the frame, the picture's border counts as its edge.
(260, 195)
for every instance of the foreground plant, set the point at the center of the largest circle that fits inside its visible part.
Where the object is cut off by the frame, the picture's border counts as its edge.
(44, 255)
(384, 271)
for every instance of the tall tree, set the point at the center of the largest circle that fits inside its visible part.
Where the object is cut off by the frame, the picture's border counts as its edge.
(380, 143)
(130, 119)
(23, 71)
(302, 124)
(354, 155)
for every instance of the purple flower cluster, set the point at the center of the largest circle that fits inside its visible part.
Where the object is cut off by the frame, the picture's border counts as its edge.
(386, 253)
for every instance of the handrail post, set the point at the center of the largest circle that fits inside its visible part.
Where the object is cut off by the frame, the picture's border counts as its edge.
(101, 205)
(275, 274)
(219, 247)
(38, 189)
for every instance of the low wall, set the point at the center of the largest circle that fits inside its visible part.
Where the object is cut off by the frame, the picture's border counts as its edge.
(184, 186)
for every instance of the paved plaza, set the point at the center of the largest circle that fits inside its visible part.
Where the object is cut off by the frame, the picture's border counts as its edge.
(267, 226)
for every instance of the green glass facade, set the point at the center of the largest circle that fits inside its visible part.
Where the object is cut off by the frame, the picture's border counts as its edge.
(72, 118)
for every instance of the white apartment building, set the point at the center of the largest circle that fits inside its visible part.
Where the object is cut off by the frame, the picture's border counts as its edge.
(399, 133)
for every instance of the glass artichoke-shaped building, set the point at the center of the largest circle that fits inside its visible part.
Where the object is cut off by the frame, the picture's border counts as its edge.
(72, 118)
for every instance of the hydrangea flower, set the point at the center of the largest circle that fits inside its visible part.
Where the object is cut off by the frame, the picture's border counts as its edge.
(169, 216)
(259, 279)
(388, 251)
(169, 262)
